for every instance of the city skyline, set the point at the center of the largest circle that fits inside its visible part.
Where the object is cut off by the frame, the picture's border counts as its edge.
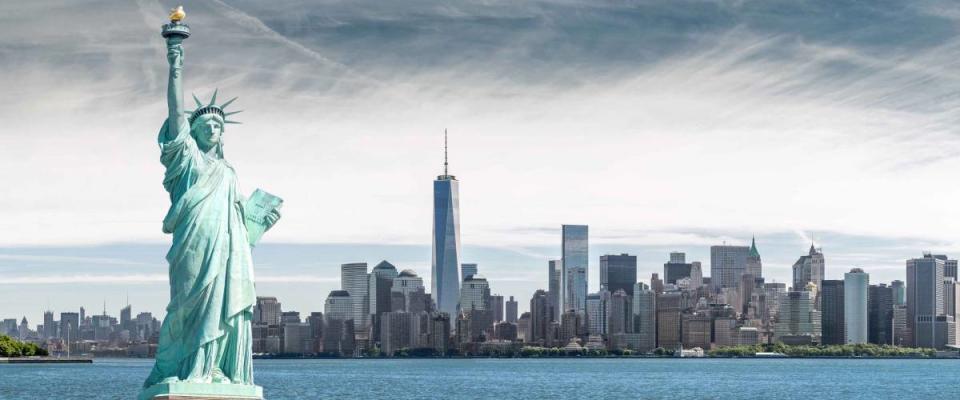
(707, 111)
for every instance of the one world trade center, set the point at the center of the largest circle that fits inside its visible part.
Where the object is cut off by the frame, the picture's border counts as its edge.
(445, 271)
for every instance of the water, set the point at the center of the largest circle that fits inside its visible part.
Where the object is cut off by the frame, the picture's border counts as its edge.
(524, 379)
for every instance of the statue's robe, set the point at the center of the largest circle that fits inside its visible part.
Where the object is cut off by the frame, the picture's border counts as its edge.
(206, 333)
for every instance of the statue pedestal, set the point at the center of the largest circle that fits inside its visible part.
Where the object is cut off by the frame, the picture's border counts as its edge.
(201, 391)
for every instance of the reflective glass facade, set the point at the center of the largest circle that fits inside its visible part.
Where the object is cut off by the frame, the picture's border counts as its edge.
(445, 264)
(575, 261)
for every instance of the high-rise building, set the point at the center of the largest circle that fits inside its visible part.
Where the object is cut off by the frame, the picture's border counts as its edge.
(856, 287)
(554, 279)
(571, 326)
(798, 321)
(754, 264)
(354, 279)
(668, 320)
(899, 293)
(267, 311)
(297, 338)
(475, 294)
(618, 272)
(397, 331)
(832, 312)
(727, 264)
(949, 268)
(405, 283)
(439, 332)
(925, 299)
(467, 270)
(315, 320)
(496, 305)
(380, 287)
(901, 335)
(809, 268)
(644, 311)
(677, 268)
(338, 332)
(656, 284)
(771, 294)
(540, 317)
(620, 319)
(575, 259)
(49, 325)
(338, 306)
(880, 320)
(445, 282)
(70, 326)
(126, 318)
(511, 311)
(696, 329)
(598, 312)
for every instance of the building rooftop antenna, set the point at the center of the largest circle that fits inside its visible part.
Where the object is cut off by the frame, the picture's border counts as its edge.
(445, 151)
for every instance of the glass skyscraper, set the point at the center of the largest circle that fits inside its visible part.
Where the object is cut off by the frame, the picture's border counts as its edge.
(445, 263)
(574, 261)
(618, 272)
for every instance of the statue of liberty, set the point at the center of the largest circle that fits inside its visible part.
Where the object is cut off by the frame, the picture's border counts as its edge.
(205, 343)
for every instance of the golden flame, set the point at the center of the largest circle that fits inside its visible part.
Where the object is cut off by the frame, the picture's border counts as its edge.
(177, 14)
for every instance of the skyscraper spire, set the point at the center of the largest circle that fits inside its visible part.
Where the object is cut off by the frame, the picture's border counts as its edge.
(445, 151)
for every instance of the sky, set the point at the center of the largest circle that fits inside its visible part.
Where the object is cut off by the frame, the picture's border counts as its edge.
(663, 125)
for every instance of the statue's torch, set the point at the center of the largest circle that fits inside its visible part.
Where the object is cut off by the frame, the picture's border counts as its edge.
(176, 30)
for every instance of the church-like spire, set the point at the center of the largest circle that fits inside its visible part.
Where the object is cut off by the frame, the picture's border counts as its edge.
(753, 248)
(813, 250)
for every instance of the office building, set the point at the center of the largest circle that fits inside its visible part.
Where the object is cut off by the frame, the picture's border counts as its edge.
(445, 262)
(727, 264)
(475, 294)
(467, 270)
(598, 311)
(798, 321)
(354, 279)
(677, 268)
(620, 319)
(809, 268)
(668, 320)
(571, 326)
(496, 306)
(833, 320)
(575, 261)
(880, 310)
(618, 272)
(644, 311)
(380, 285)
(554, 279)
(696, 329)
(899, 293)
(70, 326)
(338, 332)
(405, 284)
(925, 299)
(511, 311)
(540, 317)
(856, 288)
(267, 311)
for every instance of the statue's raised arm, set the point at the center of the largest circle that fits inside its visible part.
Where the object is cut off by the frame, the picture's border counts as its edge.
(175, 33)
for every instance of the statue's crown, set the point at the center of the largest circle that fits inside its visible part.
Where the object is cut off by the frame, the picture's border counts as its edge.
(212, 108)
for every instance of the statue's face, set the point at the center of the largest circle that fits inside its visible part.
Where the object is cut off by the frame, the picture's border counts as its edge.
(209, 131)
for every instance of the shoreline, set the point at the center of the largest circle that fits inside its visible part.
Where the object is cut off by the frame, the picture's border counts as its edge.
(45, 360)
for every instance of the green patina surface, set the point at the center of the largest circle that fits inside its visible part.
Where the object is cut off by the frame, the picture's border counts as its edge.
(205, 346)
